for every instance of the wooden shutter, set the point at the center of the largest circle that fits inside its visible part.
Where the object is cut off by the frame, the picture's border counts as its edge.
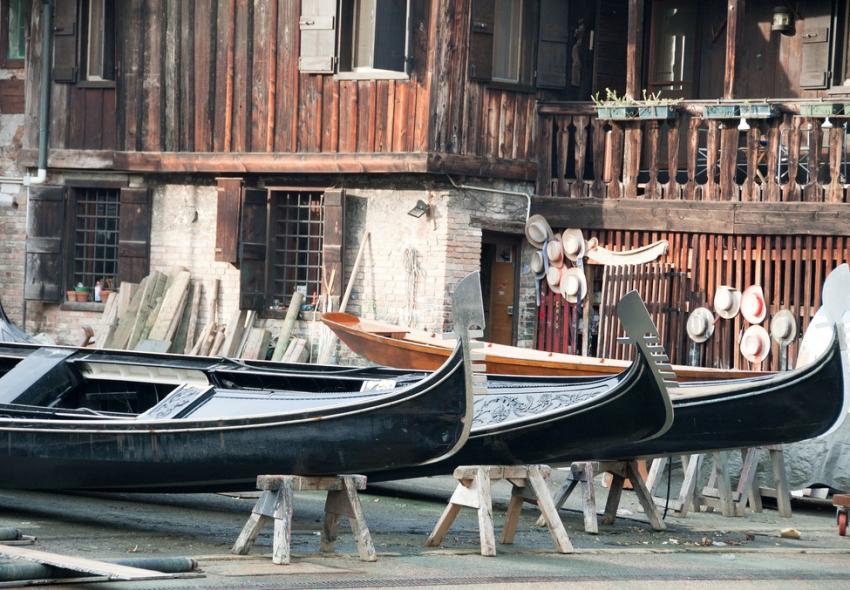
(227, 220)
(318, 36)
(333, 239)
(390, 35)
(44, 258)
(609, 60)
(65, 54)
(134, 234)
(815, 71)
(553, 45)
(481, 40)
(253, 242)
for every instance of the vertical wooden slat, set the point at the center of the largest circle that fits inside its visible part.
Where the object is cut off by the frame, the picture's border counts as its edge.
(260, 82)
(288, 79)
(653, 137)
(710, 189)
(793, 129)
(563, 148)
(580, 124)
(153, 87)
(614, 161)
(749, 188)
(330, 114)
(673, 189)
(812, 190)
(694, 124)
(729, 136)
(835, 189)
(771, 188)
(598, 135)
(631, 159)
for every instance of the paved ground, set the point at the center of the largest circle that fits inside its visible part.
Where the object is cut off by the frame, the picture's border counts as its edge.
(701, 551)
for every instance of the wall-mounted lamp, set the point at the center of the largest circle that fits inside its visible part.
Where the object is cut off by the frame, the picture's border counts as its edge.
(421, 208)
(783, 20)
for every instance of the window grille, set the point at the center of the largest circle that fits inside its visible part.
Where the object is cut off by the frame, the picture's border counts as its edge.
(295, 246)
(95, 236)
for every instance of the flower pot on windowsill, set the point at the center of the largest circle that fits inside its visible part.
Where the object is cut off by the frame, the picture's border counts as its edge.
(72, 295)
(619, 113)
(657, 112)
(81, 296)
(104, 295)
(759, 110)
(721, 111)
(823, 109)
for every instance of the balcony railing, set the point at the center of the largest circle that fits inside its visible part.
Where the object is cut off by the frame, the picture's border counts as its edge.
(786, 151)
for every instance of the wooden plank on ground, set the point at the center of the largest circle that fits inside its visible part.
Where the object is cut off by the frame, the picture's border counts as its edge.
(78, 564)
(127, 318)
(171, 308)
(194, 311)
(257, 344)
(181, 334)
(147, 305)
(233, 334)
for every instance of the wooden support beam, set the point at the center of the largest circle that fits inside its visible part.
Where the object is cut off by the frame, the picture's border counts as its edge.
(634, 48)
(734, 15)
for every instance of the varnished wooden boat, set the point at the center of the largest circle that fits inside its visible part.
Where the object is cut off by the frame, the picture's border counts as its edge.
(394, 346)
(204, 435)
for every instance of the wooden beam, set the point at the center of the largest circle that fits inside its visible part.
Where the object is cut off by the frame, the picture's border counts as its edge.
(710, 217)
(734, 14)
(634, 46)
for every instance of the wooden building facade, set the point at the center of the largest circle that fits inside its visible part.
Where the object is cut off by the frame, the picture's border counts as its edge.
(305, 102)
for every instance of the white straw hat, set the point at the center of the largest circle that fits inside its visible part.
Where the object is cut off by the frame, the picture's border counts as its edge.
(700, 325)
(573, 285)
(574, 245)
(753, 305)
(553, 278)
(755, 344)
(537, 264)
(537, 231)
(783, 327)
(555, 252)
(727, 301)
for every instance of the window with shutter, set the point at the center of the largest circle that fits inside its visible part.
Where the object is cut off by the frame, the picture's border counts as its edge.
(134, 234)
(65, 54)
(815, 72)
(13, 33)
(481, 39)
(373, 36)
(227, 220)
(44, 259)
(553, 47)
(94, 224)
(333, 240)
(318, 36)
(502, 41)
(252, 249)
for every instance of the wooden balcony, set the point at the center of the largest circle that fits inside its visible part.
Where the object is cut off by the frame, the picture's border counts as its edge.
(787, 157)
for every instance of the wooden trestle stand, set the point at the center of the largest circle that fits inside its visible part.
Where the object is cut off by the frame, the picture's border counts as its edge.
(473, 491)
(276, 503)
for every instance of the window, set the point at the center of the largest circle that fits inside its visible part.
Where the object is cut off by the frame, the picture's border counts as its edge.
(507, 36)
(673, 49)
(370, 41)
(295, 246)
(95, 248)
(99, 46)
(13, 32)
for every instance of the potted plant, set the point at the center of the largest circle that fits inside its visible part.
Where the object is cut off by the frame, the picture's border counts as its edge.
(822, 109)
(615, 108)
(722, 111)
(105, 289)
(758, 110)
(81, 293)
(654, 107)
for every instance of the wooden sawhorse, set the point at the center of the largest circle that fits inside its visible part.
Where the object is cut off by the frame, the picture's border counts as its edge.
(473, 491)
(276, 503)
(581, 474)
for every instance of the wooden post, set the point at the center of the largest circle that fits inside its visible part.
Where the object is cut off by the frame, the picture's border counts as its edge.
(734, 12)
(634, 46)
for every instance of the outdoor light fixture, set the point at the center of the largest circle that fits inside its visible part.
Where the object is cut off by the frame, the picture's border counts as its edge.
(783, 20)
(743, 125)
(421, 208)
(827, 124)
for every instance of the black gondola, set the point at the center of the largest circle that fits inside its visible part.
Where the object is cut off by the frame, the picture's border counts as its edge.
(204, 437)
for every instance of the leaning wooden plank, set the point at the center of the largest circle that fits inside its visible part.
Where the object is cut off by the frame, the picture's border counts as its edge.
(153, 346)
(194, 311)
(154, 283)
(108, 322)
(202, 346)
(257, 344)
(127, 318)
(173, 301)
(159, 293)
(233, 337)
(297, 352)
(249, 325)
(181, 331)
(79, 564)
(288, 325)
(217, 344)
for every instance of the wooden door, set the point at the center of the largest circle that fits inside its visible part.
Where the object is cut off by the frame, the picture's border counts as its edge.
(498, 273)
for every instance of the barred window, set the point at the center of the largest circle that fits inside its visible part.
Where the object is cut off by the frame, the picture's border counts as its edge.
(95, 245)
(295, 246)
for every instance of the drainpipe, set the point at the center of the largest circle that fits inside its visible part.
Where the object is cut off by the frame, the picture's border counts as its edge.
(44, 92)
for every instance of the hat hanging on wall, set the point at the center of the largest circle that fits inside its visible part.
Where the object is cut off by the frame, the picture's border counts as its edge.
(753, 305)
(783, 327)
(755, 344)
(537, 231)
(700, 325)
(573, 285)
(555, 251)
(537, 265)
(574, 246)
(553, 279)
(727, 302)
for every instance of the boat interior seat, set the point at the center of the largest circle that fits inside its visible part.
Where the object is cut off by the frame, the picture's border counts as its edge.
(41, 379)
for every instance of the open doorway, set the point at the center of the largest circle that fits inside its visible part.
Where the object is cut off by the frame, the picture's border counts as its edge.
(499, 280)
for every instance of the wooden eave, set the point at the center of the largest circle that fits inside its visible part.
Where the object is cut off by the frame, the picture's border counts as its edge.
(286, 163)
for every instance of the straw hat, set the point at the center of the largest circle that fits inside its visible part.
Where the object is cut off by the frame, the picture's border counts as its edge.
(537, 231)
(574, 246)
(700, 325)
(783, 327)
(573, 285)
(755, 344)
(553, 278)
(555, 252)
(727, 302)
(537, 264)
(753, 305)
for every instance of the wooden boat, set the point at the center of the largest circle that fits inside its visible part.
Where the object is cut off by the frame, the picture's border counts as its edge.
(521, 420)
(394, 346)
(202, 436)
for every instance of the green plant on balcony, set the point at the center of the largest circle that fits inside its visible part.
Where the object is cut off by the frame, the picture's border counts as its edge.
(623, 108)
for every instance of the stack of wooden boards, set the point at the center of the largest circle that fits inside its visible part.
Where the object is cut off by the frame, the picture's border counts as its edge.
(162, 313)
